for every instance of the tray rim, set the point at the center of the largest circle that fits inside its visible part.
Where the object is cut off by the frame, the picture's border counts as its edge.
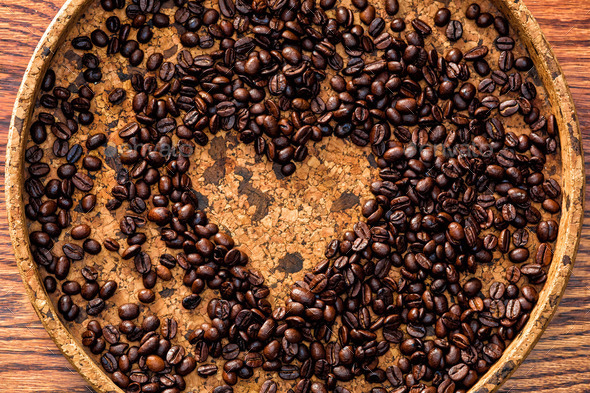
(572, 155)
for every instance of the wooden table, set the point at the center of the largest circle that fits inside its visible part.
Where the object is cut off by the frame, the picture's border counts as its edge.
(30, 362)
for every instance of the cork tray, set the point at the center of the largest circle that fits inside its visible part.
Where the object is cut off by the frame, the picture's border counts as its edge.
(282, 223)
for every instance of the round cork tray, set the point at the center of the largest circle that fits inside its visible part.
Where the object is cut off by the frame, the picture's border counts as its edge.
(283, 224)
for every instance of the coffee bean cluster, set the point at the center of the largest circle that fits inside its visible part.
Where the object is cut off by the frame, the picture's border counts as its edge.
(455, 191)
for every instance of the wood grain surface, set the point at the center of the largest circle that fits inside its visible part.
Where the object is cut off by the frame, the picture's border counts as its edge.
(30, 362)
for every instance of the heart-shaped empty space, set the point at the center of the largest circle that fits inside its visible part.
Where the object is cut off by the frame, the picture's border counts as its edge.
(283, 224)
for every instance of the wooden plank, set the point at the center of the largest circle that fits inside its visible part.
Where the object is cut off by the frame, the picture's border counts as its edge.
(30, 362)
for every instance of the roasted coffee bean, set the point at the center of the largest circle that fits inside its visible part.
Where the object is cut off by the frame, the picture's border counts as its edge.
(95, 141)
(95, 306)
(508, 108)
(38, 132)
(48, 81)
(473, 11)
(128, 311)
(523, 64)
(501, 25)
(397, 25)
(82, 43)
(504, 43)
(99, 38)
(92, 163)
(169, 328)
(33, 154)
(71, 288)
(268, 386)
(207, 370)
(146, 296)
(111, 244)
(421, 27)
(485, 19)
(155, 363)
(108, 289)
(476, 53)
(230, 351)
(442, 17)
(458, 372)
(154, 61)
(73, 251)
(81, 231)
(506, 61)
(454, 30)
(117, 96)
(113, 24)
(89, 273)
(289, 372)
(82, 182)
(391, 7)
(191, 302)
(547, 231)
(89, 290)
(50, 284)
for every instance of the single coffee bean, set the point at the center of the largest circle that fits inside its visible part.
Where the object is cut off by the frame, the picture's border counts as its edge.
(501, 25)
(89, 273)
(108, 289)
(92, 163)
(485, 19)
(391, 7)
(508, 108)
(472, 11)
(454, 30)
(81, 231)
(397, 25)
(154, 61)
(442, 17)
(269, 386)
(50, 284)
(128, 311)
(117, 96)
(73, 251)
(99, 38)
(95, 306)
(191, 302)
(48, 81)
(519, 255)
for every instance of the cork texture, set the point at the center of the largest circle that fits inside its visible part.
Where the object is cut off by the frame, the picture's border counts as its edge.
(283, 224)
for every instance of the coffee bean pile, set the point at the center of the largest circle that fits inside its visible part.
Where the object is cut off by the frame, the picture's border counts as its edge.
(456, 190)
